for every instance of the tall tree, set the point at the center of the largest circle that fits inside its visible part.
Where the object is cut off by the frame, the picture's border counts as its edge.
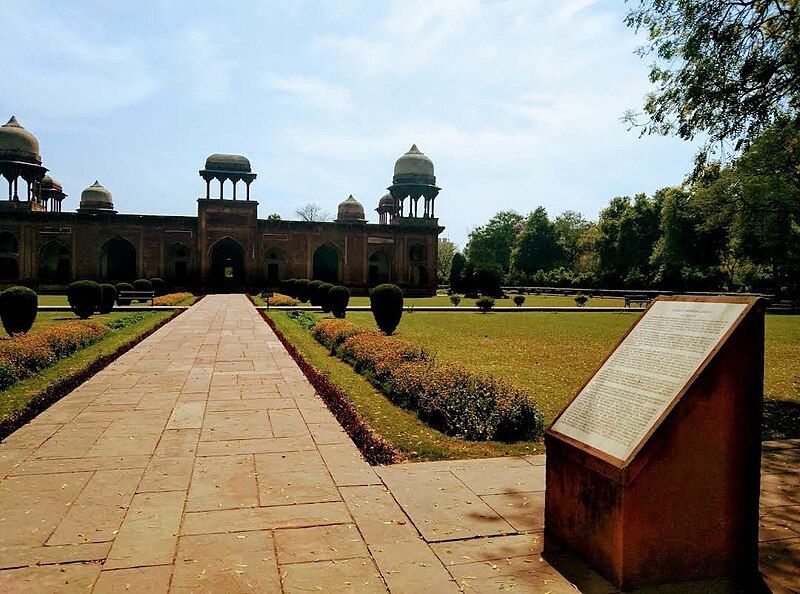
(447, 250)
(312, 212)
(457, 273)
(571, 226)
(490, 246)
(723, 69)
(536, 247)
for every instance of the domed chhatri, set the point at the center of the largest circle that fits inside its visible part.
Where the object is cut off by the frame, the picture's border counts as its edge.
(386, 209)
(350, 211)
(222, 162)
(414, 166)
(51, 192)
(222, 167)
(18, 144)
(413, 179)
(96, 199)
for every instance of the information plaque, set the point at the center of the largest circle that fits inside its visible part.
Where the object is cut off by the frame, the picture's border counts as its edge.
(645, 373)
(653, 467)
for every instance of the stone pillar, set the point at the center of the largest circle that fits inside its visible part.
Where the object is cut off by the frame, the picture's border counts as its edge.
(221, 181)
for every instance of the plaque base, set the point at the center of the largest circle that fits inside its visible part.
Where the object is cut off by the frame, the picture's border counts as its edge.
(685, 505)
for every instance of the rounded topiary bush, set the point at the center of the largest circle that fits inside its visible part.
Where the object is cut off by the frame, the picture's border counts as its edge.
(338, 298)
(142, 284)
(120, 287)
(108, 295)
(386, 302)
(313, 292)
(485, 304)
(291, 287)
(519, 300)
(323, 291)
(455, 299)
(159, 286)
(581, 299)
(18, 307)
(84, 297)
(301, 289)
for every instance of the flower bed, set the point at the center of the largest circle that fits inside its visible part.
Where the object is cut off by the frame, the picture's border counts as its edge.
(281, 299)
(449, 398)
(26, 354)
(172, 299)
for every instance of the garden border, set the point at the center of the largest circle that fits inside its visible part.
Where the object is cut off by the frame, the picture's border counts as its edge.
(375, 449)
(56, 391)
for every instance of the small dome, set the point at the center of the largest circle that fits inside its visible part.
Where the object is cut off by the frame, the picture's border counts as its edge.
(414, 166)
(48, 183)
(386, 200)
(350, 210)
(96, 198)
(17, 144)
(221, 162)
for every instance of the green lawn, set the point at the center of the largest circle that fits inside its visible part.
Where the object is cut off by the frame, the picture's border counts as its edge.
(530, 301)
(416, 440)
(548, 354)
(47, 319)
(20, 394)
(62, 300)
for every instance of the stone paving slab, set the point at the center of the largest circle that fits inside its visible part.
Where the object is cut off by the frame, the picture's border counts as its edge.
(203, 461)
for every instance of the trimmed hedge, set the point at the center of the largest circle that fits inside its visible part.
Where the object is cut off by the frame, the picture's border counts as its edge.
(142, 284)
(24, 355)
(18, 308)
(301, 289)
(338, 298)
(108, 295)
(120, 287)
(485, 304)
(84, 297)
(313, 292)
(159, 286)
(171, 299)
(323, 292)
(449, 398)
(386, 302)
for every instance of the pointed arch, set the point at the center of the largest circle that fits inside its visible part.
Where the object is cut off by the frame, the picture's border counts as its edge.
(118, 260)
(327, 264)
(178, 263)
(274, 266)
(418, 264)
(380, 268)
(227, 261)
(55, 263)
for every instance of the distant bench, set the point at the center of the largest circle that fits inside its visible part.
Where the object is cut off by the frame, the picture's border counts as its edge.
(127, 297)
(642, 300)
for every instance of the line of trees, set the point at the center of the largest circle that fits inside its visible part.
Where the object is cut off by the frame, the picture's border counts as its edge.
(734, 227)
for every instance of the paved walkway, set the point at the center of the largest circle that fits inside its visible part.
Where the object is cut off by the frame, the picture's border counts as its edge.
(203, 461)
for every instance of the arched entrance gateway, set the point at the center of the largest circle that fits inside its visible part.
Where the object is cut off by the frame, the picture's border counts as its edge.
(380, 268)
(227, 263)
(118, 260)
(327, 264)
(55, 263)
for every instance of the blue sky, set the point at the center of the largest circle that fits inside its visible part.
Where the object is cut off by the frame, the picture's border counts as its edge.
(518, 103)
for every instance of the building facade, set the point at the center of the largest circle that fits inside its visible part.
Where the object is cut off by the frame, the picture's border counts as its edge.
(226, 246)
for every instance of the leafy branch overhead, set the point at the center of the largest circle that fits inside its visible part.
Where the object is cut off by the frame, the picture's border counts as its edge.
(722, 71)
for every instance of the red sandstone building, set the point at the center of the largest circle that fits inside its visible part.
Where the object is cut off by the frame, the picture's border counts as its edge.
(225, 246)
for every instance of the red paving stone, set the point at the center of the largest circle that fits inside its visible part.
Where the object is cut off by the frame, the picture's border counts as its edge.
(203, 461)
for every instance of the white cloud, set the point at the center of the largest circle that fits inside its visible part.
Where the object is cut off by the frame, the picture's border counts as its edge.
(205, 74)
(312, 92)
(58, 71)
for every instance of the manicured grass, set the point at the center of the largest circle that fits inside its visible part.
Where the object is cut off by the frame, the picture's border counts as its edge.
(62, 300)
(402, 428)
(552, 354)
(47, 319)
(20, 394)
(530, 301)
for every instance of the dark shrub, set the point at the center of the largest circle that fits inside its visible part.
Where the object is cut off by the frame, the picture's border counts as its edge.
(323, 290)
(123, 287)
(159, 286)
(18, 307)
(455, 299)
(386, 302)
(301, 288)
(107, 297)
(519, 300)
(313, 292)
(84, 297)
(142, 284)
(581, 299)
(485, 304)
(338, 298)
(487, 282)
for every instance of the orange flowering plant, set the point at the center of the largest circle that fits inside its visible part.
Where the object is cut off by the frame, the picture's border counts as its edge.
(171, 299)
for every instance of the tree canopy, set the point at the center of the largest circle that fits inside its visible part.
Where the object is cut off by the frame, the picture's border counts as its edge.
(724, 70)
